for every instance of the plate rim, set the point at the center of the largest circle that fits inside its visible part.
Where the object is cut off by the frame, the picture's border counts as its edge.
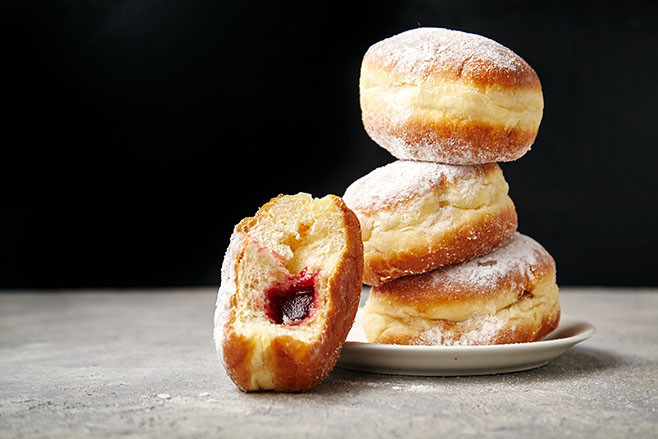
(587, 332)
(431, 360)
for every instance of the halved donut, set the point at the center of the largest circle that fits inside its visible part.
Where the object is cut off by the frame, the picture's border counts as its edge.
(290, 288)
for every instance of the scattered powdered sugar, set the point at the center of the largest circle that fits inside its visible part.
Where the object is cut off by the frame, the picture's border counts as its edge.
(402, 180)
(416, 388)
(420, 51)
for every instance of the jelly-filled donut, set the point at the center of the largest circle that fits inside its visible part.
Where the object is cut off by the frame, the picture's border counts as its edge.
(418, 216)
(290, 288)
(447, 96)
(507, 296)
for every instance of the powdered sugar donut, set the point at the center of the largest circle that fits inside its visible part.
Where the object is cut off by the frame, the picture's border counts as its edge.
(442, 95)
(507, 296)
(290, 288)
(418, 216)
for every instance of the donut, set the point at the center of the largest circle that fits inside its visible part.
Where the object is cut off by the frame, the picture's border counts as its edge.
(507, 296)
(418, 216)
(289, 292)
(447, 96)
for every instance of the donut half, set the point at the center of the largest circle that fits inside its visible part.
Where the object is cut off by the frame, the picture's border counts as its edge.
(290, 289)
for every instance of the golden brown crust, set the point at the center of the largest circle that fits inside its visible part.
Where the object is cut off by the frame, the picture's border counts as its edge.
(438, 288)
(237, 359)
(471, 240)
(293, 364)
(450, 141)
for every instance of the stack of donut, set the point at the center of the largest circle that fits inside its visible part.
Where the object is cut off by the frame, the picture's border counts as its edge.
(442, 253)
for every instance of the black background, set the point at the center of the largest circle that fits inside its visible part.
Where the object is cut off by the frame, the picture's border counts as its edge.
(139, 132)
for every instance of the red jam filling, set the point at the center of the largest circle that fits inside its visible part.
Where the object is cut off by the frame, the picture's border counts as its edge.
(293, 301)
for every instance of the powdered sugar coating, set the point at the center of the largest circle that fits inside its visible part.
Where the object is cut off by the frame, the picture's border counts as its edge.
(419, 53)
(486, 328)
(513, 264)
(448, 96)
(518, 255)
(402, 180)
(448, 146)
(227, 288)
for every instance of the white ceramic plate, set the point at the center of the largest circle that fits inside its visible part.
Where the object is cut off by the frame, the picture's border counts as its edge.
(460, 360)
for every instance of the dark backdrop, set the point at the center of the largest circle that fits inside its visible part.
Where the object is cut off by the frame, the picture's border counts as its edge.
(139, 132)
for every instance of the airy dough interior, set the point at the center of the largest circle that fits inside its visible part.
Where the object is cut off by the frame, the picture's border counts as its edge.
(295, 233)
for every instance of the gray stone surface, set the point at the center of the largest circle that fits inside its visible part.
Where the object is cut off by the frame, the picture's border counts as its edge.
(142, 364)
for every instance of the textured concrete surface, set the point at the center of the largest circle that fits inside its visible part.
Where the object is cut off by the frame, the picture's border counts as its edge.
(142, 364)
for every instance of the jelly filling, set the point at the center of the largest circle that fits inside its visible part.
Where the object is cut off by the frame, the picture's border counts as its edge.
(293, 301)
